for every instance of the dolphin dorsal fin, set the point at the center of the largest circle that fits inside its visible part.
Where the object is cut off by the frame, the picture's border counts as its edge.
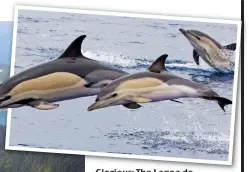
(74, 49)
(159, 64)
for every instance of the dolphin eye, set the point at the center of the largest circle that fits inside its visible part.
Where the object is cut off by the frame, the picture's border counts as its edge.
(114, 95)
(198, 38)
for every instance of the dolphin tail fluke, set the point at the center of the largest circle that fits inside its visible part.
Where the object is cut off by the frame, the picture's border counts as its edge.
(230, 46)
(221, 101)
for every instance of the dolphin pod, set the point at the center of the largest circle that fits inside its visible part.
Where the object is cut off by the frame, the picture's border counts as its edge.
(211, 51)
(70, 76)
(154, 85)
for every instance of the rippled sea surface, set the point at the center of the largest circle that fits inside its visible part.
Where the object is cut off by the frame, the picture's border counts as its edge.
(197, 129)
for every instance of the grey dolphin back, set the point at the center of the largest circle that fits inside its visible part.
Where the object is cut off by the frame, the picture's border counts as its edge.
(159, 64)
(199, 33)
(74, 49)
(231, 46)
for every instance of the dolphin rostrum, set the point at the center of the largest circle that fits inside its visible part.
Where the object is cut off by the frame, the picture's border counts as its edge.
(70, 76)
(211, 51)
(154, 85)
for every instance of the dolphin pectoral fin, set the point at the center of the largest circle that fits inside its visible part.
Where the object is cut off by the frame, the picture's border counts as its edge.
(230, 46)
(196, 57)
(42, 105)
(222, 102)
(176, 101)
(132, 105)
(74, 49)
(89, 84)
(139, 99)
(6, 97)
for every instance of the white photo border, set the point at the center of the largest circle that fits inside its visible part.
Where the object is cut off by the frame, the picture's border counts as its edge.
(137, 15)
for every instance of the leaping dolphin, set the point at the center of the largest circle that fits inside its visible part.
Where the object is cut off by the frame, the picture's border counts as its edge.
(154, 85)
(70, 76)
(211, 51)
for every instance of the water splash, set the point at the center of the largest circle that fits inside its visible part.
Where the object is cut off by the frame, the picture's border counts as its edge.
(209, 142)
(120, 61)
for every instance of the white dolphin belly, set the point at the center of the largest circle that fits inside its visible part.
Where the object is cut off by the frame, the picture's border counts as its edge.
(172, 92)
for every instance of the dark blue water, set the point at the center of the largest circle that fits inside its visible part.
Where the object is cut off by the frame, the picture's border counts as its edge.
(4, 74)
(3, 117)
(197, 129)
(5, 41)
(5, 49)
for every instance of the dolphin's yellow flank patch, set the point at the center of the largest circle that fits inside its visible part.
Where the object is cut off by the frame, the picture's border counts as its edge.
(47, 82)
(211, 43)
(140, 83)
(216, 51)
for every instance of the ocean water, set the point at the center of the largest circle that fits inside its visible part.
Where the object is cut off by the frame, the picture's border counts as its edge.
(197, 129)
(5, 49)
(5, 42)
(3, 117)
(4, 74)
